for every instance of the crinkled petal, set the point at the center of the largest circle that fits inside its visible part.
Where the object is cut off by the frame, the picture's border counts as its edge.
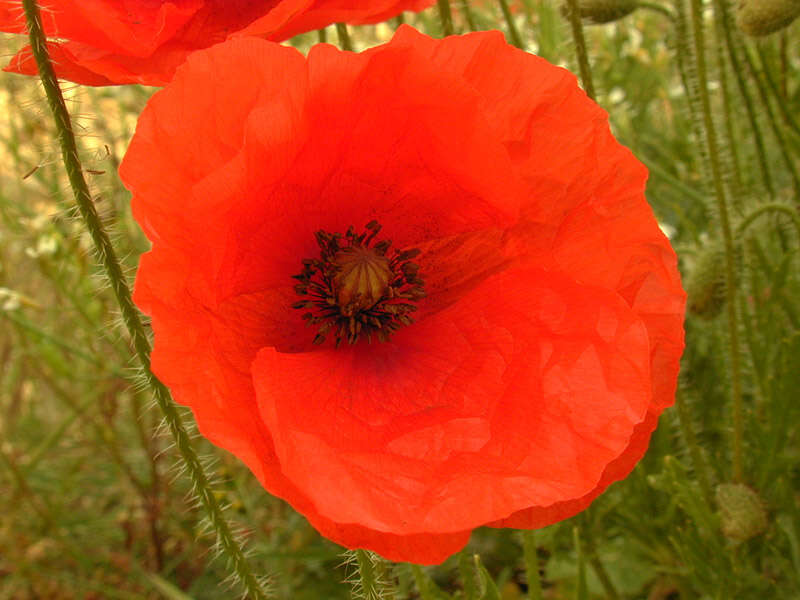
(519, 394)
(104, 42)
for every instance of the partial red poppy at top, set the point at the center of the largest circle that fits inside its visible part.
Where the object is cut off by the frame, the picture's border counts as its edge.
(416, 290)
(106, 42)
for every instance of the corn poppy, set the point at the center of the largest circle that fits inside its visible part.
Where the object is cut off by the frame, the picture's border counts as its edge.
(416, 290)
(106, 42)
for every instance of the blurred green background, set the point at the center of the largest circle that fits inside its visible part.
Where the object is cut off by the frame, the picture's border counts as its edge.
(92, 500)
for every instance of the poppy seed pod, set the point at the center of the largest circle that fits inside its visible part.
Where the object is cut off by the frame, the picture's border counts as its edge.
(603, 11)
(741, 511)
(762, 17)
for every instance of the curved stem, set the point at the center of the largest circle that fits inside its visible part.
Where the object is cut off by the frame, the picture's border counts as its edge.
(654, 6)
(727, 236)
(130, 315)
(721, 13)
(574, 12)
(765, 208)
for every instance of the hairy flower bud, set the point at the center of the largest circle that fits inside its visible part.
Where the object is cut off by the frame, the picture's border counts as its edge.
(741, 511)
(705, 284)
(762, 17)
(602, 11)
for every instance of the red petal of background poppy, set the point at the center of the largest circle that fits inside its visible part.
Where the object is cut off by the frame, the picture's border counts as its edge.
(130, 28)
(66, 67)
(119, 41)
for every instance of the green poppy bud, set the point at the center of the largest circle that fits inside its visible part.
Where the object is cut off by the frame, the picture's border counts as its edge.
(741, 511)
(762, 17)
(603, 11)
(705, 283)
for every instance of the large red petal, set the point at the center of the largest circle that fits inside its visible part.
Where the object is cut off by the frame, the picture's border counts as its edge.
(518, 395)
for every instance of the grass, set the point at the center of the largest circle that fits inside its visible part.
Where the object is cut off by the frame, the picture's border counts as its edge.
(93, 504)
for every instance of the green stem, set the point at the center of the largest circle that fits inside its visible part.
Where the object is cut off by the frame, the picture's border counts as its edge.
(574, 13)
(727, 236)
(39, 505)
(687, 68)
(659, 8)
(366, 573)
(777, 92)
(777, 130)
(466, 567)
(24, 323)
(513, 32)
(727, 112)
(721, 13)
(468, 15)
(344, 38)
(322, 35)
(428, 590)
(582, 592)
(531, 565)
(130, 315)
(446, 17)
(700, 466)
(766, 208)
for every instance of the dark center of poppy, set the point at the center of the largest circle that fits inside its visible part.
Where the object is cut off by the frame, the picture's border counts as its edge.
(358, 287)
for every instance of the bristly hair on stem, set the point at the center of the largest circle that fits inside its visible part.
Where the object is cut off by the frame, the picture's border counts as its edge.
(574, 15)
(727, 236)
(130, 315)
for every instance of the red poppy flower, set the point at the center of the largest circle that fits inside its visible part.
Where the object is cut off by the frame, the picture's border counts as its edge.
(416, 290)
(105, 42)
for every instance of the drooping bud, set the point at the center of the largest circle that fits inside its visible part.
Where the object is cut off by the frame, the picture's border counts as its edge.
(741, 511)
(602, 11)
(705, 284)
(762, 17)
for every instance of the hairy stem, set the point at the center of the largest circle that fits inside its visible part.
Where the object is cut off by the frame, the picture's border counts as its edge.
(366, 573)
(721, 13)
(574, 12)
(130, 315)
(727, 236)
(699, 463)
